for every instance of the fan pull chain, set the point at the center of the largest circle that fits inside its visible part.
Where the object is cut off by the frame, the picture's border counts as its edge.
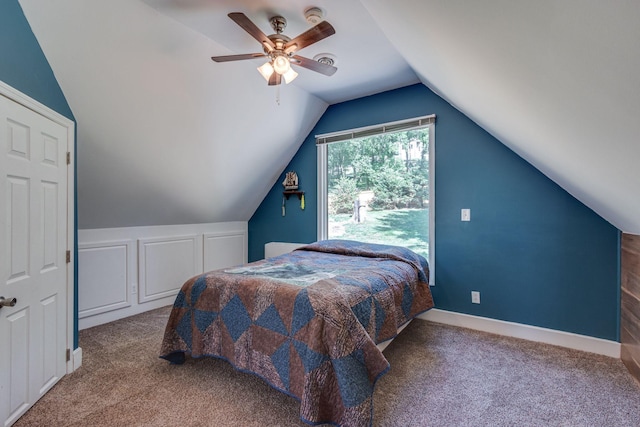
(278, 94)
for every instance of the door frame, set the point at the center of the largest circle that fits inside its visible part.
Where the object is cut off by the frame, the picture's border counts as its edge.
(74, 359)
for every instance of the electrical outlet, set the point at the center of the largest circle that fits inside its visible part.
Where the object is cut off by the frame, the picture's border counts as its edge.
(475, 297)
(465, 214)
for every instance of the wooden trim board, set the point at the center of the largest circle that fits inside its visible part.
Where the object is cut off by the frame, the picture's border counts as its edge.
(630, 303)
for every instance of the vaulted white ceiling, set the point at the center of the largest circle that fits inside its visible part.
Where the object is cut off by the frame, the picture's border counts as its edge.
(167, 136)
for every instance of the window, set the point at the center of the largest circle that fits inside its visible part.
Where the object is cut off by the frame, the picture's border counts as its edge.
(375, 184)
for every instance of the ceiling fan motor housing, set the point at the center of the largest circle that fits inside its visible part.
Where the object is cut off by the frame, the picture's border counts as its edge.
(278, 23)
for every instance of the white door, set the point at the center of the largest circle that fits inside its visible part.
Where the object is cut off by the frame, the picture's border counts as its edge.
(33, 244)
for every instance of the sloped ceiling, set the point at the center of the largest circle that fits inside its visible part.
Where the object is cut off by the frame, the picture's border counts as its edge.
(166, 136)
(555, 80)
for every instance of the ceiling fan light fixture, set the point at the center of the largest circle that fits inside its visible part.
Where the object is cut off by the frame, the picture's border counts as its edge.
(281, 64)
(279, 48)
(289, 76)
(266, 70)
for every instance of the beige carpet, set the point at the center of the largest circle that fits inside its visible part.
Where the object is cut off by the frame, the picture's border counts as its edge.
(440, 376)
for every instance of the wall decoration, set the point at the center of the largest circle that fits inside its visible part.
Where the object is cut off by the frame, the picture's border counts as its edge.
(290, 185)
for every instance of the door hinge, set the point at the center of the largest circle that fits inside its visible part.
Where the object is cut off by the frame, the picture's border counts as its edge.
(68, 157)
(68, 257)
(68, 354)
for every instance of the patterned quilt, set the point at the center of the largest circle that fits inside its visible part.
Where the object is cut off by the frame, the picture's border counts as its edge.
(306, 322)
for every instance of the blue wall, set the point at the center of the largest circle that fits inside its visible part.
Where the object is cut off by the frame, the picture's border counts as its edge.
(24, 67)
(537, 255)
(22, 62)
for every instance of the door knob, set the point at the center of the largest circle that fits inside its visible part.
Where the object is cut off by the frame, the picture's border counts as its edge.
(7, 302)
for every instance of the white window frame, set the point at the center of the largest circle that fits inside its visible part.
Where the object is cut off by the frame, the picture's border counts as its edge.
(322, 141)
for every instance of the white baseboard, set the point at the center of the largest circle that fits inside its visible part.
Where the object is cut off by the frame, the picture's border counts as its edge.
(76, 358)
(112, 316)
(527, 332)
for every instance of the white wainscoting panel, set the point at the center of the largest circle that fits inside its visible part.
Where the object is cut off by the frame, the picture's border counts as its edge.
(224, 250)
(105, 271)
(118, 278)
(165, 263)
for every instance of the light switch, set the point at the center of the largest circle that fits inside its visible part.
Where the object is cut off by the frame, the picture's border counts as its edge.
(475, 297)
(465, 214)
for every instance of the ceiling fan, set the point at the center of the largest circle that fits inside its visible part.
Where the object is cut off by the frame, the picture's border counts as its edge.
(280, 50)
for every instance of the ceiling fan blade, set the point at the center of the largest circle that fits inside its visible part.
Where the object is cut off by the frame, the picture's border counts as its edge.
(275, 79)
(327, 70)
(312, 35)
(251, 28)
(227, 58)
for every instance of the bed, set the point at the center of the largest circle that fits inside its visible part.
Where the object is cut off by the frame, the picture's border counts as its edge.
(308, 322)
